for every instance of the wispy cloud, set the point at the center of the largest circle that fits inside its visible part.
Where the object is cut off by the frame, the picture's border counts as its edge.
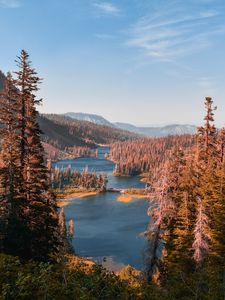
(172, 32)
(10, 3)
(207, 84)
(107, 8)
(104, 36)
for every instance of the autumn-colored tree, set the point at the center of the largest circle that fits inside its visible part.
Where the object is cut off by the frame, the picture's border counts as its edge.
(12, 203)
(41, 210)
(24, 176)
(192, 260)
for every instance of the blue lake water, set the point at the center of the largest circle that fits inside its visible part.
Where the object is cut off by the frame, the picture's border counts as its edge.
(107, 230)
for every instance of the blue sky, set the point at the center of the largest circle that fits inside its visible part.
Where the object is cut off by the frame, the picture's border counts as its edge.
(138, 61)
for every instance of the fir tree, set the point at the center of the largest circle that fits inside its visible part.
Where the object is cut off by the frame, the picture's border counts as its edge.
(201, 235)
(32, 218)
(12, 202)
(41, 210)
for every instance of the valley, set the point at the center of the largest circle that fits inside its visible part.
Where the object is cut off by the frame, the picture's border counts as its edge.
(105, 227)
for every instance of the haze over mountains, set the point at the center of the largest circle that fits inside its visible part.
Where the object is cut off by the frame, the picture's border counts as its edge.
(150, 131)
(63, 131)
(58, 130)
(99, 120)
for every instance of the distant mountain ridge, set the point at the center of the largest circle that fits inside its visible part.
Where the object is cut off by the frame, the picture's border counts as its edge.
(96, 119)
(173, 129)
(62, 131)
(151, 131)
(99, 120)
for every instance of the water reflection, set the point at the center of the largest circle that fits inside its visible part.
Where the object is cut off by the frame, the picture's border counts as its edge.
(105, 228)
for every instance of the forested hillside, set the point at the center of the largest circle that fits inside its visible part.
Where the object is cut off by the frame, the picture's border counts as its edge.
(145, 156)
(59, 135)
(64, 132)
(153, 131)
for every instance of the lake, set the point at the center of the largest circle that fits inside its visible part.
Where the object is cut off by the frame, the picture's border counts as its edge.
(106, 230)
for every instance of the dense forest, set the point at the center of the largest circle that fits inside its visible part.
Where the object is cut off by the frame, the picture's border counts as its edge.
(63, 177)
(185, 237)
(187, 217)
(54, 153)
(147, 155)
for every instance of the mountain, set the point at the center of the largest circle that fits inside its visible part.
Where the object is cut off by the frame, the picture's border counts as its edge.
(58, 129)
(127, 126)
(147, 131)
(62, 131)
(96, 119)
(159, 131)
(59, 135)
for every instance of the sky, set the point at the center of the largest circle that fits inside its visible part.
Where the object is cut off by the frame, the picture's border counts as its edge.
(145, 62)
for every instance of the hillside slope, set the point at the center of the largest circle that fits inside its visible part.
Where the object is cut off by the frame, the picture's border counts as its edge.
(97, 119)
(149, 131)
(62, 132)
(59, 135)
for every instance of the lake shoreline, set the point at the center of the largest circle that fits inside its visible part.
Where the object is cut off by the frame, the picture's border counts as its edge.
(96, 212)
(65, 201)
(125, 196)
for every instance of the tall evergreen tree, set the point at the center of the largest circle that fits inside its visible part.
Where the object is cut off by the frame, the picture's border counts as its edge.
(12, 203)
(32, 218)
(41, 210)
(195, 260)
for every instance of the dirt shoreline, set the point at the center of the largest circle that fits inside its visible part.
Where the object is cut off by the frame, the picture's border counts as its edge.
(67, 198)
(127, 198)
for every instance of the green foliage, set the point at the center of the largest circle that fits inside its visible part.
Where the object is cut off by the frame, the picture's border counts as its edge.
(34, 280)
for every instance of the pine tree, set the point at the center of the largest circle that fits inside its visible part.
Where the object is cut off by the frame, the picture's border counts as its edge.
(207, 134)
(201, 235)
(70, 230)
(161, 211)
(41, 210)
(62, 224)
(12, 203)
(30, 211)
(221, 144)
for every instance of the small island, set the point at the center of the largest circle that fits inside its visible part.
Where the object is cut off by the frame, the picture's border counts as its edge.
(131, 194)
(69, 184)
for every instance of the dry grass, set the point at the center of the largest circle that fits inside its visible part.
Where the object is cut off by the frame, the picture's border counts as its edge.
(126, 198)
(66, 198)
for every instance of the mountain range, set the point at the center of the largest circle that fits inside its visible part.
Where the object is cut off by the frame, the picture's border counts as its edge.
(63, 131)
(149, 131)
(96, 119)
(75, 129)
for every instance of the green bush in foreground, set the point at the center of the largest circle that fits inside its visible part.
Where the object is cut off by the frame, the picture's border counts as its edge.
(34, 280)
(82, 280)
